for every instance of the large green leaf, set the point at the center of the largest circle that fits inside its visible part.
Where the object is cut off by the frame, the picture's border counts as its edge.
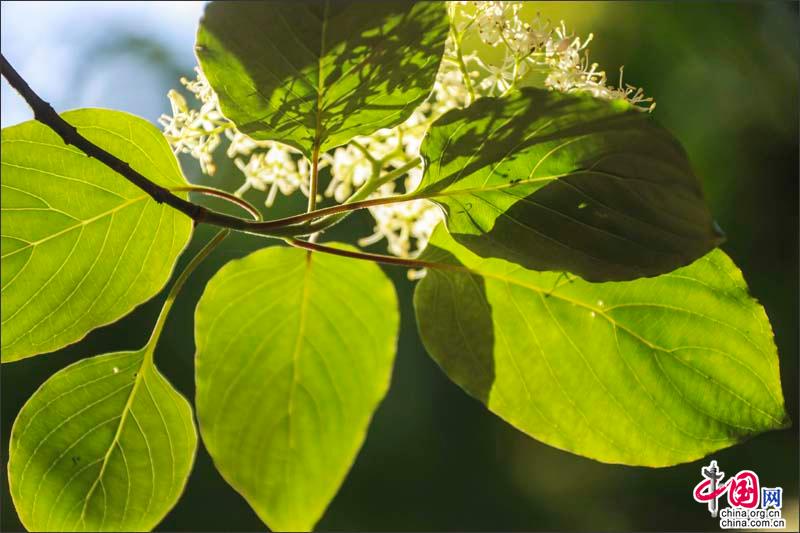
(654, 372)
(294, 354)
(105, 444)
(563, 182)
(318, 73)
(81, 246)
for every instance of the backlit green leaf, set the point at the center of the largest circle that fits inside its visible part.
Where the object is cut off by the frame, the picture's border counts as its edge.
(563, 182)
(294, 354)
(653, 372)
(316, 74)
(81, 246)
(105, 444)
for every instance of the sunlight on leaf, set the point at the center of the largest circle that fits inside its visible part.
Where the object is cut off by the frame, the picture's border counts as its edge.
(650, 372)
(105, 444)
(82, 246)
(294, 354)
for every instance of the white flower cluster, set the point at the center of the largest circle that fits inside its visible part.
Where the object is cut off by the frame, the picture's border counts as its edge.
(535, 46)
(267, 165)
(558, 57)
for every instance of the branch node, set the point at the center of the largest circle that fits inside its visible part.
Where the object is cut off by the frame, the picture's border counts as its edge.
(198, 214)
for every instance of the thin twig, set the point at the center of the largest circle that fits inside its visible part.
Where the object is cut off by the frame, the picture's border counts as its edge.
(196, 260)
(211, 191)
(462, 66)
(363, 149)
(312, 187)
(377, 258)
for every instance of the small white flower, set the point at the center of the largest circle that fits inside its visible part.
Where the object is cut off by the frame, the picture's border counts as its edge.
(200, 87)
(498, 79)
(241, 144)
(350, 169)
(491, 21)
(449, 90)
(273, 171)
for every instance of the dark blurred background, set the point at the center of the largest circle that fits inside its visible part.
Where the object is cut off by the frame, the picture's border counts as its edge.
(725, 76)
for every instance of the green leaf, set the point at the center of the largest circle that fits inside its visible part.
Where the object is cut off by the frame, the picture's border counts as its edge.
(81, 246)
(294, 354)
(105, 444)
(562, 182)
(316, 74)
(651, 372)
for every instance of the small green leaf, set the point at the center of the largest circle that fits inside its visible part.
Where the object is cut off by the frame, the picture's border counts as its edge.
(651, 372)
(105, 444)
(562, 182)
(316, 74)
(82, 246)
(294, 354)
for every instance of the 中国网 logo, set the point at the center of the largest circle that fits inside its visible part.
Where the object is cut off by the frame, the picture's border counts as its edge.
(751, 506)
